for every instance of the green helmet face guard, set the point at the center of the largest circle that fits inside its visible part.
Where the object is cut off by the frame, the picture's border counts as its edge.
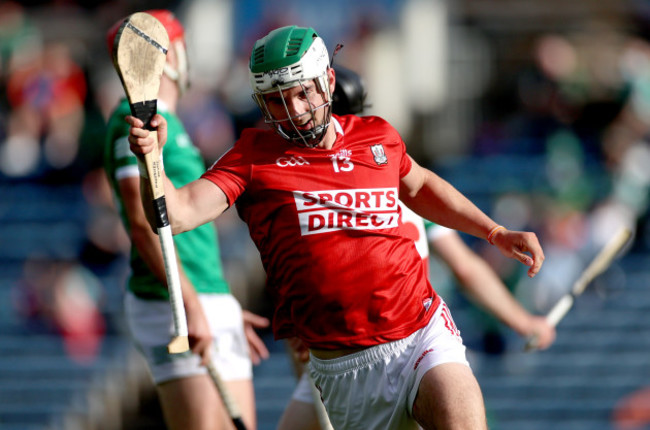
(288, 57)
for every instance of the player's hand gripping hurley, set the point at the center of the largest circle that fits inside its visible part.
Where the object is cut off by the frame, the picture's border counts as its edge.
(139, 55)
(598, 265)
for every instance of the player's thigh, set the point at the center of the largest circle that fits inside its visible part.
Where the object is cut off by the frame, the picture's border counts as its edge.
(300, 413)
(449, 397)
(191, 403)
(299, 416)
(243, 393)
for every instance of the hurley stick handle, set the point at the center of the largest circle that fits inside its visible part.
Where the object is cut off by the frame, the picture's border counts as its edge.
(179, 342)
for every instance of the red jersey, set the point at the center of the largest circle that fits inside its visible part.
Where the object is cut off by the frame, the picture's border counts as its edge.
(339, 267)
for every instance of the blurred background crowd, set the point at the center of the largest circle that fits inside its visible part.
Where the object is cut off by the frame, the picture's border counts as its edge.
(538, 110)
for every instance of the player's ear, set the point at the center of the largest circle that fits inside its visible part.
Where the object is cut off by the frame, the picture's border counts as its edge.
(331, 77)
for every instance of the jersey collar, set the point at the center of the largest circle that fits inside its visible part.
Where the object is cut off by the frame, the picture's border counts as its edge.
(337, 126)
(339, 132)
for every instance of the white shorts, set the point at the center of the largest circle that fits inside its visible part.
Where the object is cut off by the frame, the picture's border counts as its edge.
(302, 392)
(151, 326)
(375, 388)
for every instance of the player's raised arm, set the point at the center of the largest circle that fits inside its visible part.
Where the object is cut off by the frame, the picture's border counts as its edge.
(435, 199)
(188, 207)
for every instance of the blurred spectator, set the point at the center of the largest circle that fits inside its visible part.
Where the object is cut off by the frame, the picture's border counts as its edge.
(235, 93)
(19, 37)
(209, 123)
(106, 239)
(46, 97)
(77, 298)
(633, 411)
(63, 297)
(625, 143)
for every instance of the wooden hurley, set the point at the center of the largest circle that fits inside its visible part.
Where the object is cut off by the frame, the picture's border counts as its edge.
(139, 55)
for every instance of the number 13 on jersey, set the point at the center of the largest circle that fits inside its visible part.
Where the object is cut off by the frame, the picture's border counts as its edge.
(341, 161)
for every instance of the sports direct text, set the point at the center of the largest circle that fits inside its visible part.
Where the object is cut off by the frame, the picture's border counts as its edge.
(361, 209)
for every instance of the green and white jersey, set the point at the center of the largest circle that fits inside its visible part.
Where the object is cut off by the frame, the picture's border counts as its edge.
(435, 231)
(423, 231)
(198, 249)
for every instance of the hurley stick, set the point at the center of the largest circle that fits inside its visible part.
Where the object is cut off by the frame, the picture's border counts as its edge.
(228, 401)
(139, 53)
(597, 266)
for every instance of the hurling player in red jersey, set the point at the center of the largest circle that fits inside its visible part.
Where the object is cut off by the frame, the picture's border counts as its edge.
(319, 193)
(476, 279)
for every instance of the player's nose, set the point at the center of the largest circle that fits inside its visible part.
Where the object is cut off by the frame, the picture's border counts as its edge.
(296, 107)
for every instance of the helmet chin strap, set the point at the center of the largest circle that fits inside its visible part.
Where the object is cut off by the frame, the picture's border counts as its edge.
(180, 74)
(171, 72)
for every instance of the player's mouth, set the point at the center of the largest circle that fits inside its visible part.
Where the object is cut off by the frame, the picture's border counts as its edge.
(305, 125)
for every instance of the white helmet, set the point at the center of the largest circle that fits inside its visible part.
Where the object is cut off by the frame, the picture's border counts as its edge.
(285, 58)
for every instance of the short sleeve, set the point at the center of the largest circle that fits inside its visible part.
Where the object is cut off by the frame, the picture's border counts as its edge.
(231, 173)
(405, 164)
(405, 161)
